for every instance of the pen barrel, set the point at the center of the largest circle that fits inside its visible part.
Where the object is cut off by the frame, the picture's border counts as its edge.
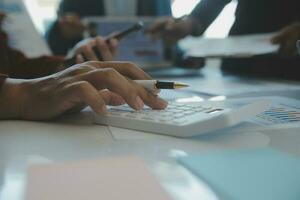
(164, 85)
(157, 85)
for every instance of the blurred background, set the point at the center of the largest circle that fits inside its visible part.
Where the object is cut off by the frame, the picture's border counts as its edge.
(43, 12)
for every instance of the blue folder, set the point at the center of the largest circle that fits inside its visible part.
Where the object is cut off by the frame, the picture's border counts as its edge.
(261, 174)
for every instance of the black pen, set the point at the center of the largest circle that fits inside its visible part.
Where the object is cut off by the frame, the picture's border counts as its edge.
(136, 27)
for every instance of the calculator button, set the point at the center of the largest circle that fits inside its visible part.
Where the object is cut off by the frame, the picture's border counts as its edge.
(148, 118)
(180, 121)
(178, 116)
(189, 112)
(164, 121)
(131, 115)
(207, 107)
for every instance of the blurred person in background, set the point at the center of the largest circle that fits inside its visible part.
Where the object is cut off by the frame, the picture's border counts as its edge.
(69, 28)
(251, 17)
(16, 64)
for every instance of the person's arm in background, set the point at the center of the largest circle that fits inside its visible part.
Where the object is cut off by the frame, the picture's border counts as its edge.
(15, 64)
(171, 30)
(68, 29)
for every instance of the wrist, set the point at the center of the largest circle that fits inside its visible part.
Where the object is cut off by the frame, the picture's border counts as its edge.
(12, 94)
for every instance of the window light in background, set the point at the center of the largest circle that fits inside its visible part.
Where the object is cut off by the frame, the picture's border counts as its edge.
(183, 7)
(42, 12)
(220, 26)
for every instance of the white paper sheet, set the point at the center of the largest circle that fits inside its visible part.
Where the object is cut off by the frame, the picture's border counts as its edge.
(22, 32)
(235, 86)
(233, 46)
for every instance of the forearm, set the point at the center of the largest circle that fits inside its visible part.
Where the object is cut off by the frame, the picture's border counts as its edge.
(37, 67)
(16, 65)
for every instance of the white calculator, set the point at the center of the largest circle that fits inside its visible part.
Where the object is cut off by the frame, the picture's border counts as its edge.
(183, 119)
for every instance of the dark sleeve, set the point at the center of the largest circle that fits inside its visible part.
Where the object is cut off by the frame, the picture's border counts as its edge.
(207, 11)
(36, 67)
(16, 65)
(57, 43)
(2, 79)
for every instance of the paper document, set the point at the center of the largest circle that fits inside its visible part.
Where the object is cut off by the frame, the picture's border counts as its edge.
(283, 113)
(233, 46)
(111, 178)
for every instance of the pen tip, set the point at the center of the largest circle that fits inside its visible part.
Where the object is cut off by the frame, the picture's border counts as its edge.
(180, 85)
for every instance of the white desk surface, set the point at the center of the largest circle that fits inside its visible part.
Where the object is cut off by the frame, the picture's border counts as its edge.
(75, 137)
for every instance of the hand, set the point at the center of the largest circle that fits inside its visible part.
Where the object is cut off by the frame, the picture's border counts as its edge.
(71, 26)
(287, 39)
(170, 29)
(94, 84)
(94, 49)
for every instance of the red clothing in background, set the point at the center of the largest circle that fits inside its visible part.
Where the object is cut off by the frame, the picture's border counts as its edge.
(15, 64)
